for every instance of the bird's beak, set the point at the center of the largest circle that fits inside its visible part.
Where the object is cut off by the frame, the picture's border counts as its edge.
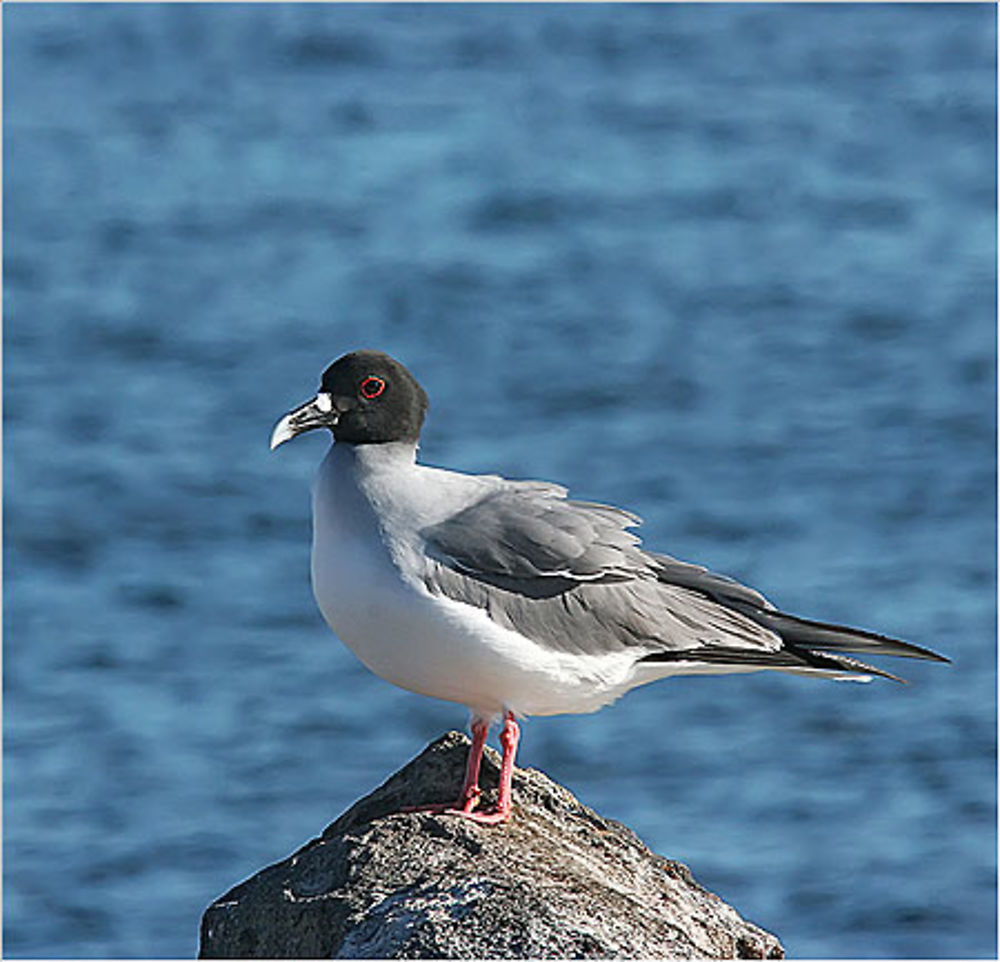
(320, 412)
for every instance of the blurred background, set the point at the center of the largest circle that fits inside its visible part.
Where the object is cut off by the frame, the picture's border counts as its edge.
(730, 266)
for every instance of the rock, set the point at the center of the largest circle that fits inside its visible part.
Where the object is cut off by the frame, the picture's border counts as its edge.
(556, 881)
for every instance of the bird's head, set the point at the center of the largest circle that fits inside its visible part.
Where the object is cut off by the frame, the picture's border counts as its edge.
(365, 397)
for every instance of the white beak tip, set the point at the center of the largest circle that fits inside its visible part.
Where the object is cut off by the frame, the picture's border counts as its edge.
(283, 431)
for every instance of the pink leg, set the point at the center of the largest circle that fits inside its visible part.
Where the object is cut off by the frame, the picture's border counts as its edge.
(471, 791)
(469, 795)
(509, 738)
(466, 804)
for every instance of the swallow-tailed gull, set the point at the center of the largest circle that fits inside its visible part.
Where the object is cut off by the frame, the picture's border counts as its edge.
(505, 596)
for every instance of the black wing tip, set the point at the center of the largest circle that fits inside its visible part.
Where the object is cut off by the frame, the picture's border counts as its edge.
(905, 649)
(935, 656)
(900, 649)
(893, 647)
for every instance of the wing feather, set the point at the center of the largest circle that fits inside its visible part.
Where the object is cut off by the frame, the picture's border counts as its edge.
(570, 575)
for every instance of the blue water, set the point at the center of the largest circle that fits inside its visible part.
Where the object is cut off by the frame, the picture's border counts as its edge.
(730, 266)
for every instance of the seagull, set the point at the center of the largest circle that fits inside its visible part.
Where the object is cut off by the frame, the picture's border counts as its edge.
(507, 597)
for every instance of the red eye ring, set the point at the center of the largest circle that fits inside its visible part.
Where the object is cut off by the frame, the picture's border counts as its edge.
(371, 387)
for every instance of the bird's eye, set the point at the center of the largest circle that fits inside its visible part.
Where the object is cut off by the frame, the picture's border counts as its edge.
(371, 387)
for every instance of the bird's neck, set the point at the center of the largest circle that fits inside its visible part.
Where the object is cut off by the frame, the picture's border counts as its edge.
(380, 457)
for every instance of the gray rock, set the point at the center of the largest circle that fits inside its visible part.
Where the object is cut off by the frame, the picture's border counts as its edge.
(556, 881)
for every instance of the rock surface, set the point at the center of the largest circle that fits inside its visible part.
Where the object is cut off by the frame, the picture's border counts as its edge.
(556, 881)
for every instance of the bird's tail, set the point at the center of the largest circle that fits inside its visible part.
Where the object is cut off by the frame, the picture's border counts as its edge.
(808, 647)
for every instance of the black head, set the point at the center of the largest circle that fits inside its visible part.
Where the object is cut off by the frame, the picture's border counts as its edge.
(365, 397)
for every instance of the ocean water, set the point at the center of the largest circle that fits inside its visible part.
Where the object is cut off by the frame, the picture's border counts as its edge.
(730, 266)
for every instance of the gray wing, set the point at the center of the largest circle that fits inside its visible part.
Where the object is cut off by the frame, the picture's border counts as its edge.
(570, 575)
(532, 540)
